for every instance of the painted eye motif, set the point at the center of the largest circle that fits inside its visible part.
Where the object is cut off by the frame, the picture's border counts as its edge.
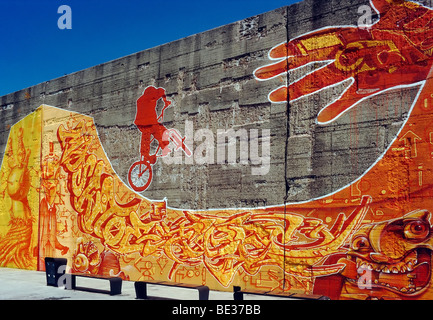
(360, 243)
(416, 230)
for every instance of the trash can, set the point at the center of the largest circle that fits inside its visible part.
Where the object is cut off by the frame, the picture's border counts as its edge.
(54, 271)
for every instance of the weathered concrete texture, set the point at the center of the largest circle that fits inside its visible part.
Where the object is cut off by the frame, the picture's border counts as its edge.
(209, 78)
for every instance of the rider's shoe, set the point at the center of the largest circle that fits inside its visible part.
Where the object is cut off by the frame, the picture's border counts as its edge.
(152, 158)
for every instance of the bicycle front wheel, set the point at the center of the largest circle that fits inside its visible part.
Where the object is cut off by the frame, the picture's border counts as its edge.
(140, 175)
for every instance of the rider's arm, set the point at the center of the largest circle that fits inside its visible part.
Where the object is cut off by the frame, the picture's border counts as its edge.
(167, 103)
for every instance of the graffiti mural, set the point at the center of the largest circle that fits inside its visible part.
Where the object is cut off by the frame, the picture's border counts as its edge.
(19, 195)
(395, 256)
(150, 124)
(390, 259)
(218, 242)
(373, 239)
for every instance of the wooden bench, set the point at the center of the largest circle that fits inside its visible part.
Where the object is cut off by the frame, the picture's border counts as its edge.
(115, 283)
(238, 294)
(141, 288)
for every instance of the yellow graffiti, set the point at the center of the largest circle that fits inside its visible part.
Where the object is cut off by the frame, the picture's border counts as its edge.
(18, 195)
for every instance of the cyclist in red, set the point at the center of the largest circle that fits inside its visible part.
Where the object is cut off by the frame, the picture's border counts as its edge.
(147, 119)
(148, 122)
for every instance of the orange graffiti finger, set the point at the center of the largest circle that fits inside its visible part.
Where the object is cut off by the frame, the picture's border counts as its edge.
(324, 77)
(318, 46)
(335, 109)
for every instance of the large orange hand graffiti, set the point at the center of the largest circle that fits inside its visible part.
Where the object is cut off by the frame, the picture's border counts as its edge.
(395, 51)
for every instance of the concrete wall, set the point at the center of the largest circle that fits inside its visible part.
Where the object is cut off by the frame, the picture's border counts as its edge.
(209, 78)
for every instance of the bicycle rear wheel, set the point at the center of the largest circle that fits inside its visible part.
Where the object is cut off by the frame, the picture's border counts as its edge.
(140, 175)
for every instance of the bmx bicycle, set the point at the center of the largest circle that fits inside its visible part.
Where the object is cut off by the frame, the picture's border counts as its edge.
(140, 173)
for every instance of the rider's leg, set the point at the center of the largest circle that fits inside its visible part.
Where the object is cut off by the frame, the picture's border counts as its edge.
(158, 134)
(145, 141)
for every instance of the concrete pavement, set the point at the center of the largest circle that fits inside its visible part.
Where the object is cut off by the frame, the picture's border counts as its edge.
(16, 284)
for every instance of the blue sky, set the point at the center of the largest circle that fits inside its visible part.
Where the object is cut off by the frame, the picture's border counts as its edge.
(33, 49)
